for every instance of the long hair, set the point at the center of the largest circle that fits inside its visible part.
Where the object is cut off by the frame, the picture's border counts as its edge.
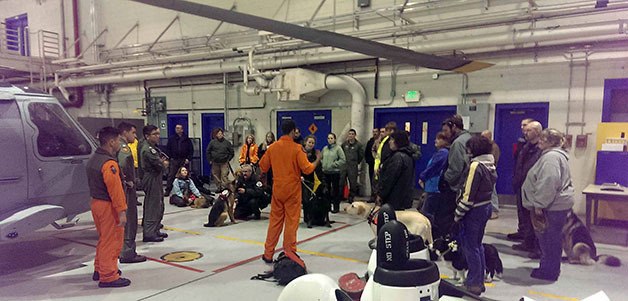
(252, 139)
(180, 176)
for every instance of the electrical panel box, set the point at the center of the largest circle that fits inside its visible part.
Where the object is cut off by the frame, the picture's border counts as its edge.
(475, 116)
(581, 141)
(364, 3)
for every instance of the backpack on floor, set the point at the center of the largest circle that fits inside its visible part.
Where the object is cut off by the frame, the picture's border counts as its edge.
(285, 269)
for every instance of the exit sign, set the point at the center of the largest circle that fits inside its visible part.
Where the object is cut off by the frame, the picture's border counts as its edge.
(413, 96)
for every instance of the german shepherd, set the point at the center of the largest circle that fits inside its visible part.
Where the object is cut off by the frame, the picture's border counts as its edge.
(223, 207)
(449, 250)
(579, 246)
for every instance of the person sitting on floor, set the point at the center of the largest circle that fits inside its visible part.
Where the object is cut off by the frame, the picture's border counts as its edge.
(184, 190)
(249, 194)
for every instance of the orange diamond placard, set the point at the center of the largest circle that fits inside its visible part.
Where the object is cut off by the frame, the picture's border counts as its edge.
(313, 128)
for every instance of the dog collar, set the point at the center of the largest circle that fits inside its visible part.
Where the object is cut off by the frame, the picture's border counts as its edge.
(372, 217)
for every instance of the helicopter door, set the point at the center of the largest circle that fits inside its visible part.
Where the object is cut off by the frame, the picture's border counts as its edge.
(13, 178)
(57, 172)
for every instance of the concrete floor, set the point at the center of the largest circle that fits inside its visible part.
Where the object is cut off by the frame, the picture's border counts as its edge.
(58, 264)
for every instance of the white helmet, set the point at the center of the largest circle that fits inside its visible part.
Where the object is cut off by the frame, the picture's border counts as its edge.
(313, 287)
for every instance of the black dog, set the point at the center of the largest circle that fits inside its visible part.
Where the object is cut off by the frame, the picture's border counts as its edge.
(316, 206)
(449, 250)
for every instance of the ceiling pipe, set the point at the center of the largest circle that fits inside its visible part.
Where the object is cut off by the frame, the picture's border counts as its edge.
(595, 32)
(478, 21)
(358, 99)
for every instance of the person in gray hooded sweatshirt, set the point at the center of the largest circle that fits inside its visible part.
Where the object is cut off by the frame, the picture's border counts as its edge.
(548, 193)
(452, 181)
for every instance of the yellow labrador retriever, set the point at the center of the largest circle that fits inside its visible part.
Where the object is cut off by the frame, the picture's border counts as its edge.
(416, 222)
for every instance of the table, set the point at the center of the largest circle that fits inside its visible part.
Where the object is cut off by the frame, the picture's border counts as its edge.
(594, 194)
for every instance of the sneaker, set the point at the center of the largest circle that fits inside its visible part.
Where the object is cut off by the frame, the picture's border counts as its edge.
(135, 259)
(208, 225)
(96, 276)
(121, 282)
(476, 290)
(162, 235)
(515, 236)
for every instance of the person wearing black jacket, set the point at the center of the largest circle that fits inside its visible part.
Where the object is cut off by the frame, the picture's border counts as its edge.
(180, 149)
(396, 178)
(368, 154)
(308, 179)
(249, 194)
(219, 152)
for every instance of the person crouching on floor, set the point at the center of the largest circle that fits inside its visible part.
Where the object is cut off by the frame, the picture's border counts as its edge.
(184, 190)
(249, 194)
(474, 209)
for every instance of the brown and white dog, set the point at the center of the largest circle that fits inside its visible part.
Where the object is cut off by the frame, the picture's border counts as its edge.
(415, 222)
(223, 207)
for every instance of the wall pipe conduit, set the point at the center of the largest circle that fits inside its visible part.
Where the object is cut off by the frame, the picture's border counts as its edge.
(594, 32)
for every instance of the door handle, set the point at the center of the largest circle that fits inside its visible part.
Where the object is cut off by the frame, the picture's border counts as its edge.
(71, 160)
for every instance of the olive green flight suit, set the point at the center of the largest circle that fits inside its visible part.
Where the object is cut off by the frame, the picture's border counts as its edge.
(125, 160)
(152, 182)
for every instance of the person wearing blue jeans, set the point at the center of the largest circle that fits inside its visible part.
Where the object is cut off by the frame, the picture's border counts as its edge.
(474, 209)
(550, 241)
(548, 193)
(471, 233)
(428, 179)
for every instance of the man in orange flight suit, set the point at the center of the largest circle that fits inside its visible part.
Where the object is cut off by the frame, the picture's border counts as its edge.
(108, 208)
(288, 160)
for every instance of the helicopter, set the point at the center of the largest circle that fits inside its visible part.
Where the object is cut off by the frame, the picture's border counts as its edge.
(43, 177)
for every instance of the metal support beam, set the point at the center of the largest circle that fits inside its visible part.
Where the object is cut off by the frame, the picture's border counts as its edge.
(162, 33)
(92, 43)
(309, 23)
(233, 7)
(137, 25)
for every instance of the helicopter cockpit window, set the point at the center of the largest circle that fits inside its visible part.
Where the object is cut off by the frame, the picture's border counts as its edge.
(58, 135)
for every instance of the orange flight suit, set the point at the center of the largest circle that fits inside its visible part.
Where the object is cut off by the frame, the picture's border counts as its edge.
(105, 213)
(288, 160)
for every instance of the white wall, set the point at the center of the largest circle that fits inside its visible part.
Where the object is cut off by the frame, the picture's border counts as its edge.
(42, 15)
(508, 84)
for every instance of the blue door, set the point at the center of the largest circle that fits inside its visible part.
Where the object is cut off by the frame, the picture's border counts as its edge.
(209, 121)
(174, 119)
(507, 130)
(317, 123)
(17, 34)
(423, 123)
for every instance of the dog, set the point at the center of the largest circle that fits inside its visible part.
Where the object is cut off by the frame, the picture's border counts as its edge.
(579, 246)
(316, 207)
(223, 207)
(415, 222)
(202, 202)
(450, 252)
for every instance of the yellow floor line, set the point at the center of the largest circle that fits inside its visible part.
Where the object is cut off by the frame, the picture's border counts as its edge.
(319, 254)
(181, 230)
(247, 241)
(552, 296)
